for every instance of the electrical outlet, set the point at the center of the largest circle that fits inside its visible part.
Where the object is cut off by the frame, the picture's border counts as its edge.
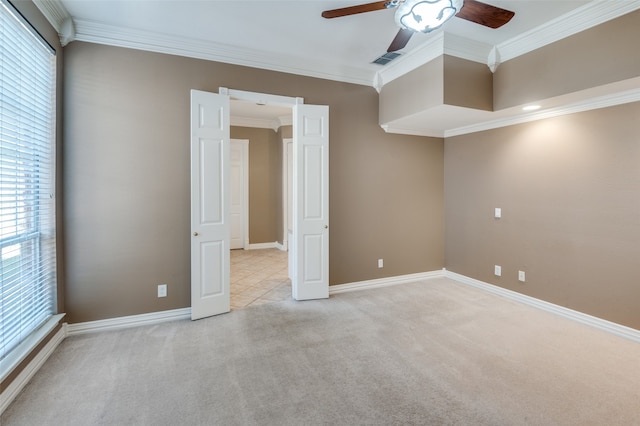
(497, 270)
(497, 213)
(162, 290)
(380, 263)
(521, 276)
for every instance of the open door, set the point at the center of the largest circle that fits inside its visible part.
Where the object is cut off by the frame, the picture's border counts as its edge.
(310, 211)
(210, 153)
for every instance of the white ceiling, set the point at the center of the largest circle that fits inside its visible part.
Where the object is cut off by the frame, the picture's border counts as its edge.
(292, 33)
(291, 36)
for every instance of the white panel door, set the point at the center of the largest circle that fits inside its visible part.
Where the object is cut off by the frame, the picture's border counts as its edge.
(310, 202)
(210, 145)
(239, 198)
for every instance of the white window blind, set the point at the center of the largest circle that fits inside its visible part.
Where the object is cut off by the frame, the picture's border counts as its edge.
(27, 180)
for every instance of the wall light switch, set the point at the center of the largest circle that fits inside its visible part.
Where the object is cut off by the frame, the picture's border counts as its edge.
(521, 276)
(380, 263)
(162, 290)
(497, 270)
(498, 213)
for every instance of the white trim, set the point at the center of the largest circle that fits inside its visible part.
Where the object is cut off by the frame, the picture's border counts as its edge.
(261, 123)
(257, 123)
(285, 120)
(99, 33)
(427, 52)
(581, 19)
(59, 18)
(261, 98)
(22, 350)
(128, 321)
(465, 48)
(285, 192)
(582, 318)
(413, 132)
(384, 282)
(605, 101)
(281, 247)
(9, 394)
(260, 246)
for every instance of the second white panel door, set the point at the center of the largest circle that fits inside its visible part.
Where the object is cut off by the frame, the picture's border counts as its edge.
(239, 186)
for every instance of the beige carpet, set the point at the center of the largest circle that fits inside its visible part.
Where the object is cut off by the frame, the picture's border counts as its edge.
(431, 353)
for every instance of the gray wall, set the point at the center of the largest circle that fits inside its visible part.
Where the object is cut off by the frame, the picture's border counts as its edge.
(126, 179)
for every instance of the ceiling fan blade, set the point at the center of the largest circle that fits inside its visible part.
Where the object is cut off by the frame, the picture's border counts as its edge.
(352, 10)
(401, 39)
(484, 14)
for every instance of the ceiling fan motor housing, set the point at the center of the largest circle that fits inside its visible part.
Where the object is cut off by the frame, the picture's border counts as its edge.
(426, 15)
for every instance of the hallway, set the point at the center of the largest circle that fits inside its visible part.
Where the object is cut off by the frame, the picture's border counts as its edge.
(258, 277)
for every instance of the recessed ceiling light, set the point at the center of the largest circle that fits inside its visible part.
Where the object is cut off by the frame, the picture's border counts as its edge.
(531, 107)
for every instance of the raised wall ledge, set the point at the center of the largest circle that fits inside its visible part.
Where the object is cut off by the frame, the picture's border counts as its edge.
(609, 95)
(581, 19)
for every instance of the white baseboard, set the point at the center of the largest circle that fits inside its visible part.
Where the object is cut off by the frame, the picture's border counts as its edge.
(260, 246)
(595, 322)
(128, 321)
(14, 388)
(384, 282)
(281, 247)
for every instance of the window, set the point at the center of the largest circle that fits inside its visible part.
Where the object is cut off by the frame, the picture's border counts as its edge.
(27, 180)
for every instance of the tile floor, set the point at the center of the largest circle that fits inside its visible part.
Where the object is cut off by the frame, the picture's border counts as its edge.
(258, 276)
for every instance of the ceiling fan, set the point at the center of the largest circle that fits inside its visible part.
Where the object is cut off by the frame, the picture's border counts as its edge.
(428, 15)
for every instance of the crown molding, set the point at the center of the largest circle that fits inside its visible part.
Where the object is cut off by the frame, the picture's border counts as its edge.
(432, 133)
(95, 32)
(585, 17)
(58, 16)
(582, 18)
(465, 48)
(285, 120)
(54, 11)
(605, 101)
(260, 123)
(257, 123)
(426, 52)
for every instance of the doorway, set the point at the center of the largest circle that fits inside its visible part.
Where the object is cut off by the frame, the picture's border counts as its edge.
(210, 218)
(259, 268)
(259, 276)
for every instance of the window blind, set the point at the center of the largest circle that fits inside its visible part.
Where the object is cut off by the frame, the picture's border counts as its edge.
(27, 180)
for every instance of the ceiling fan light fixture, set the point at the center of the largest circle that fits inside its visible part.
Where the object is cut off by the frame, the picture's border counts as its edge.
(426, 15)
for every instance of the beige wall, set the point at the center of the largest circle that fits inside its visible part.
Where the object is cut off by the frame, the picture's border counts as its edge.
(415, 91)
(265, 183)
(467, 84)
(569, 192)
(601, 55)
(126, 179)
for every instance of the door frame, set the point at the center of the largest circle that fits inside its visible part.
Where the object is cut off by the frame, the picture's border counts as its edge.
(285, 192)
(298, 109)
